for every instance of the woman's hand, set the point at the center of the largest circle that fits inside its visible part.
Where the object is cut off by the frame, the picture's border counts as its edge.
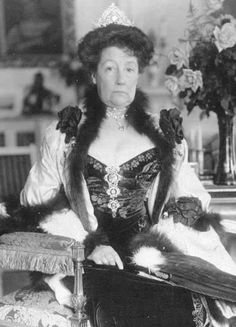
(106, 255)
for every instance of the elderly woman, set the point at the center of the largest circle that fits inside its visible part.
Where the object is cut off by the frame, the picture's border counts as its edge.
(120, 175)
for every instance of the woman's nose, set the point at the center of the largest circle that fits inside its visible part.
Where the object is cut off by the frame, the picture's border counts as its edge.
(120, 78)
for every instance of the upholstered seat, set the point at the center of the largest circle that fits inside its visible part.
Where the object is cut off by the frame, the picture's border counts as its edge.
(29, 307)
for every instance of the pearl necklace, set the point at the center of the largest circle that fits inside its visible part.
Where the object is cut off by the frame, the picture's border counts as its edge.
(118, 115)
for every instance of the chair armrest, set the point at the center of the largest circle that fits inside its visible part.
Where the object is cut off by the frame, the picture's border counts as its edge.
(46, 253)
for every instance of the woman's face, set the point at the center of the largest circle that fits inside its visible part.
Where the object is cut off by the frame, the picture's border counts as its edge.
(116, 77)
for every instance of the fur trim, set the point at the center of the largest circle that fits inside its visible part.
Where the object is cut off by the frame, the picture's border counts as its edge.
(141, 122)
(149, 249)
(189, 272)
(207, 219)
(157, 253)
(28, 219)
(166, 238)
(64, 223)
(87, 133)
(152, 239)
(148, 257)
(77, 159)
(94, 239)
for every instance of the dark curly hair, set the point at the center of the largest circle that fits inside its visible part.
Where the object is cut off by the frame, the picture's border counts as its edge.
(125, 37)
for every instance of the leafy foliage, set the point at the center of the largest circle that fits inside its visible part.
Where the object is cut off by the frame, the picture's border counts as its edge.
(202, 70)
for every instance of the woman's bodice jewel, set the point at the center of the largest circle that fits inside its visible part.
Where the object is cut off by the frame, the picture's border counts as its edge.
(121, 190)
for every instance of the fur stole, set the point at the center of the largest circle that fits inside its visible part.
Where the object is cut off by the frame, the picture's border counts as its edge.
(156, 256)
(69, 119)
(18, 218)
(87, 133)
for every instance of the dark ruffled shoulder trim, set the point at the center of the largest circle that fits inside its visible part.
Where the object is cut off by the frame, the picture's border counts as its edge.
(69, 118)
(171, 125)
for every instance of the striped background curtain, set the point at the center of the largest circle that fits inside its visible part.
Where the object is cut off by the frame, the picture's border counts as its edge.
(14, 170)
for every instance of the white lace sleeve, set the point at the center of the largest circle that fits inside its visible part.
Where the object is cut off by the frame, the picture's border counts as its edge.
(44, 182)
(45, 177)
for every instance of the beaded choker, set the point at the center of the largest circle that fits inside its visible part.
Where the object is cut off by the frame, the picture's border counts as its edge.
(118, 115)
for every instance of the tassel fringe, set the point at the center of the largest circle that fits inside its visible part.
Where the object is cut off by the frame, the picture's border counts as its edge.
(46, 261)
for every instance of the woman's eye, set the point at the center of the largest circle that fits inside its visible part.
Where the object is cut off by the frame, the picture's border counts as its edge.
(130, 70)
(109, 68)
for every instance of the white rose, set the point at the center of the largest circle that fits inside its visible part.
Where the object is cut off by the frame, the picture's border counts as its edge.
(207, 31)
(213, 5)
(205, 7)
(191, 79)
(226, 19)
(225, 37)
(198, 80)
(179, 57)
(172, 84)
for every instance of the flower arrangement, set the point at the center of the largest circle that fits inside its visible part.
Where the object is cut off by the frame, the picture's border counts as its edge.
(202, 70)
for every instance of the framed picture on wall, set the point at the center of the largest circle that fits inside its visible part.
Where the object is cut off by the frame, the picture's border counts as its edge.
(35, 32)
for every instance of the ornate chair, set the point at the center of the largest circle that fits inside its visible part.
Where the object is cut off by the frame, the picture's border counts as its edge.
(29, 306)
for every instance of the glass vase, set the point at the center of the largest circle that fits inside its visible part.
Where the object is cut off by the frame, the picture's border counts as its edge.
(226, 169)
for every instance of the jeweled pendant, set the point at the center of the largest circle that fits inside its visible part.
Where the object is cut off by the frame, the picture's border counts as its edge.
(112, 178)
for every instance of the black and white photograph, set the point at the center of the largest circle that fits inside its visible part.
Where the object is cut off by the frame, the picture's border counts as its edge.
(117, 163)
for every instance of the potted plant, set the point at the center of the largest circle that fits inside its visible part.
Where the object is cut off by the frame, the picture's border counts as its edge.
(202, 72)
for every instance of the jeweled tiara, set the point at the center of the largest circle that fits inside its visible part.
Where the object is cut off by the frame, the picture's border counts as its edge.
(113, 15)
